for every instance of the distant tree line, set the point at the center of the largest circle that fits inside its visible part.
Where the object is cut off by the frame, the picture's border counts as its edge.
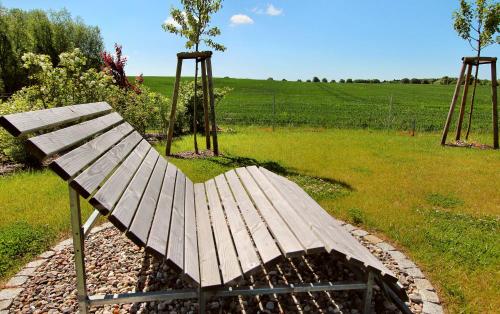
(40, 32)
(445, 80)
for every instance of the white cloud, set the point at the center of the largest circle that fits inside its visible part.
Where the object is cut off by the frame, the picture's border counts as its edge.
(270, 10)
(240, 19)
(273, 11)
(171, 21)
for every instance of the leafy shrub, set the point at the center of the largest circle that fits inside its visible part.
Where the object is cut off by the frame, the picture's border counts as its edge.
(70, 84)
(20, 240)
(341, 81)
(348, 81)
(316, 79)
(185, 106)
(324, 80)
(405, 81)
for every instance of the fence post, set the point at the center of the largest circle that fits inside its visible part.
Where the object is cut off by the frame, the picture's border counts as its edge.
(274, 110)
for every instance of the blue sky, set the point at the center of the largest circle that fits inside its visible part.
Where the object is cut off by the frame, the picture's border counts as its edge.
(289, 39)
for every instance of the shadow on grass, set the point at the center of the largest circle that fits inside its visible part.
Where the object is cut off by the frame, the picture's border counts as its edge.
(232, 161)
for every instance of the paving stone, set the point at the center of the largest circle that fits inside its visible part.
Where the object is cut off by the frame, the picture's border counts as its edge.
(66, 242)
(35, 264)
(423, 284)
(9, 293)
(432, 308)
(16, 281)
(4, 305)
(430, 296)
(397, 255)
(385, 246)
(406, 263)
(373, 239)
(27, 271)
(349, 227)
(47, 254)
(414, 272)
(359, 233)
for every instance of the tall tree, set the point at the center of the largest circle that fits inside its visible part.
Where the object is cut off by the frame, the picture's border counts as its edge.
(38, 32)
(193, 23)
(477, 22)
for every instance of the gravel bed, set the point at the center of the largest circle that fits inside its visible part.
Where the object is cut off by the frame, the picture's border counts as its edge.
(116, 265)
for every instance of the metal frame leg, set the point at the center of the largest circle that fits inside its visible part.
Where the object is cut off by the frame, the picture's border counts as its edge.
(202, 301)
(367, 308)
(78, 246)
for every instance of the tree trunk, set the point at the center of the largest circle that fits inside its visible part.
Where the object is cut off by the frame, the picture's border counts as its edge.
(473, 93)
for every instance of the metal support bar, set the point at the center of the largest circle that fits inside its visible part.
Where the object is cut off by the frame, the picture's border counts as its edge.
(368, 294)
(202, 294)
(89, 224)
(78, 246)
(291, 288)
(170, 295)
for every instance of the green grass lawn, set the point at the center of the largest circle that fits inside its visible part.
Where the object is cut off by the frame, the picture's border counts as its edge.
(441, 206)
(338, 105)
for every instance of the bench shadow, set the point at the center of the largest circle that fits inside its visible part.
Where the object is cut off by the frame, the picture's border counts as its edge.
(233, 161)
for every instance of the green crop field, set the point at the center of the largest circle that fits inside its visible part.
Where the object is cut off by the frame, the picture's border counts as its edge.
(373, 106)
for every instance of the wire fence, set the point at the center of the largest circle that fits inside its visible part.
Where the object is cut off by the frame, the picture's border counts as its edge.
(298, 110)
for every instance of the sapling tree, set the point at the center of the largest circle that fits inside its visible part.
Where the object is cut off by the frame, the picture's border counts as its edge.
(193, 23)
(477, 22)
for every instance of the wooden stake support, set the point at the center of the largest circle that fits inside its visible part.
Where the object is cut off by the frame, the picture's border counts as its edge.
(468, 63)
(204, 57)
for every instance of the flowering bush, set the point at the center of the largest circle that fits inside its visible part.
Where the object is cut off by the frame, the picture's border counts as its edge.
(70, 84)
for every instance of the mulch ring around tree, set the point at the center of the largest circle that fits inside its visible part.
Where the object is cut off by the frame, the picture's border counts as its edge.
(116, 265)
(192, 155)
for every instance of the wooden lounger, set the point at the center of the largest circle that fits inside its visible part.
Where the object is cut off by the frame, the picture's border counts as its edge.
(214, 233)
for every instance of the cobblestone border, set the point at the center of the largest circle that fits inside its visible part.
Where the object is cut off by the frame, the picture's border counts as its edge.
(426, 295)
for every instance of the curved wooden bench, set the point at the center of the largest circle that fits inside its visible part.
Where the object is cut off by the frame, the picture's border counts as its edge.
(215, 232)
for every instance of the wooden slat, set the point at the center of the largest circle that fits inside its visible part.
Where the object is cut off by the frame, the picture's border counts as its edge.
(296, 223)
(345, 241)
(107, 196)
(191, 262)
(228, 260)
(158, 236)
(26, 122)
(90, 179)
(127, 205)
(264, 242)
(74, 161)
(175, 249)
(209, 268)
(48, 144)
(285, 238)
(317, 224)
(139, 229)
(246, 252)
